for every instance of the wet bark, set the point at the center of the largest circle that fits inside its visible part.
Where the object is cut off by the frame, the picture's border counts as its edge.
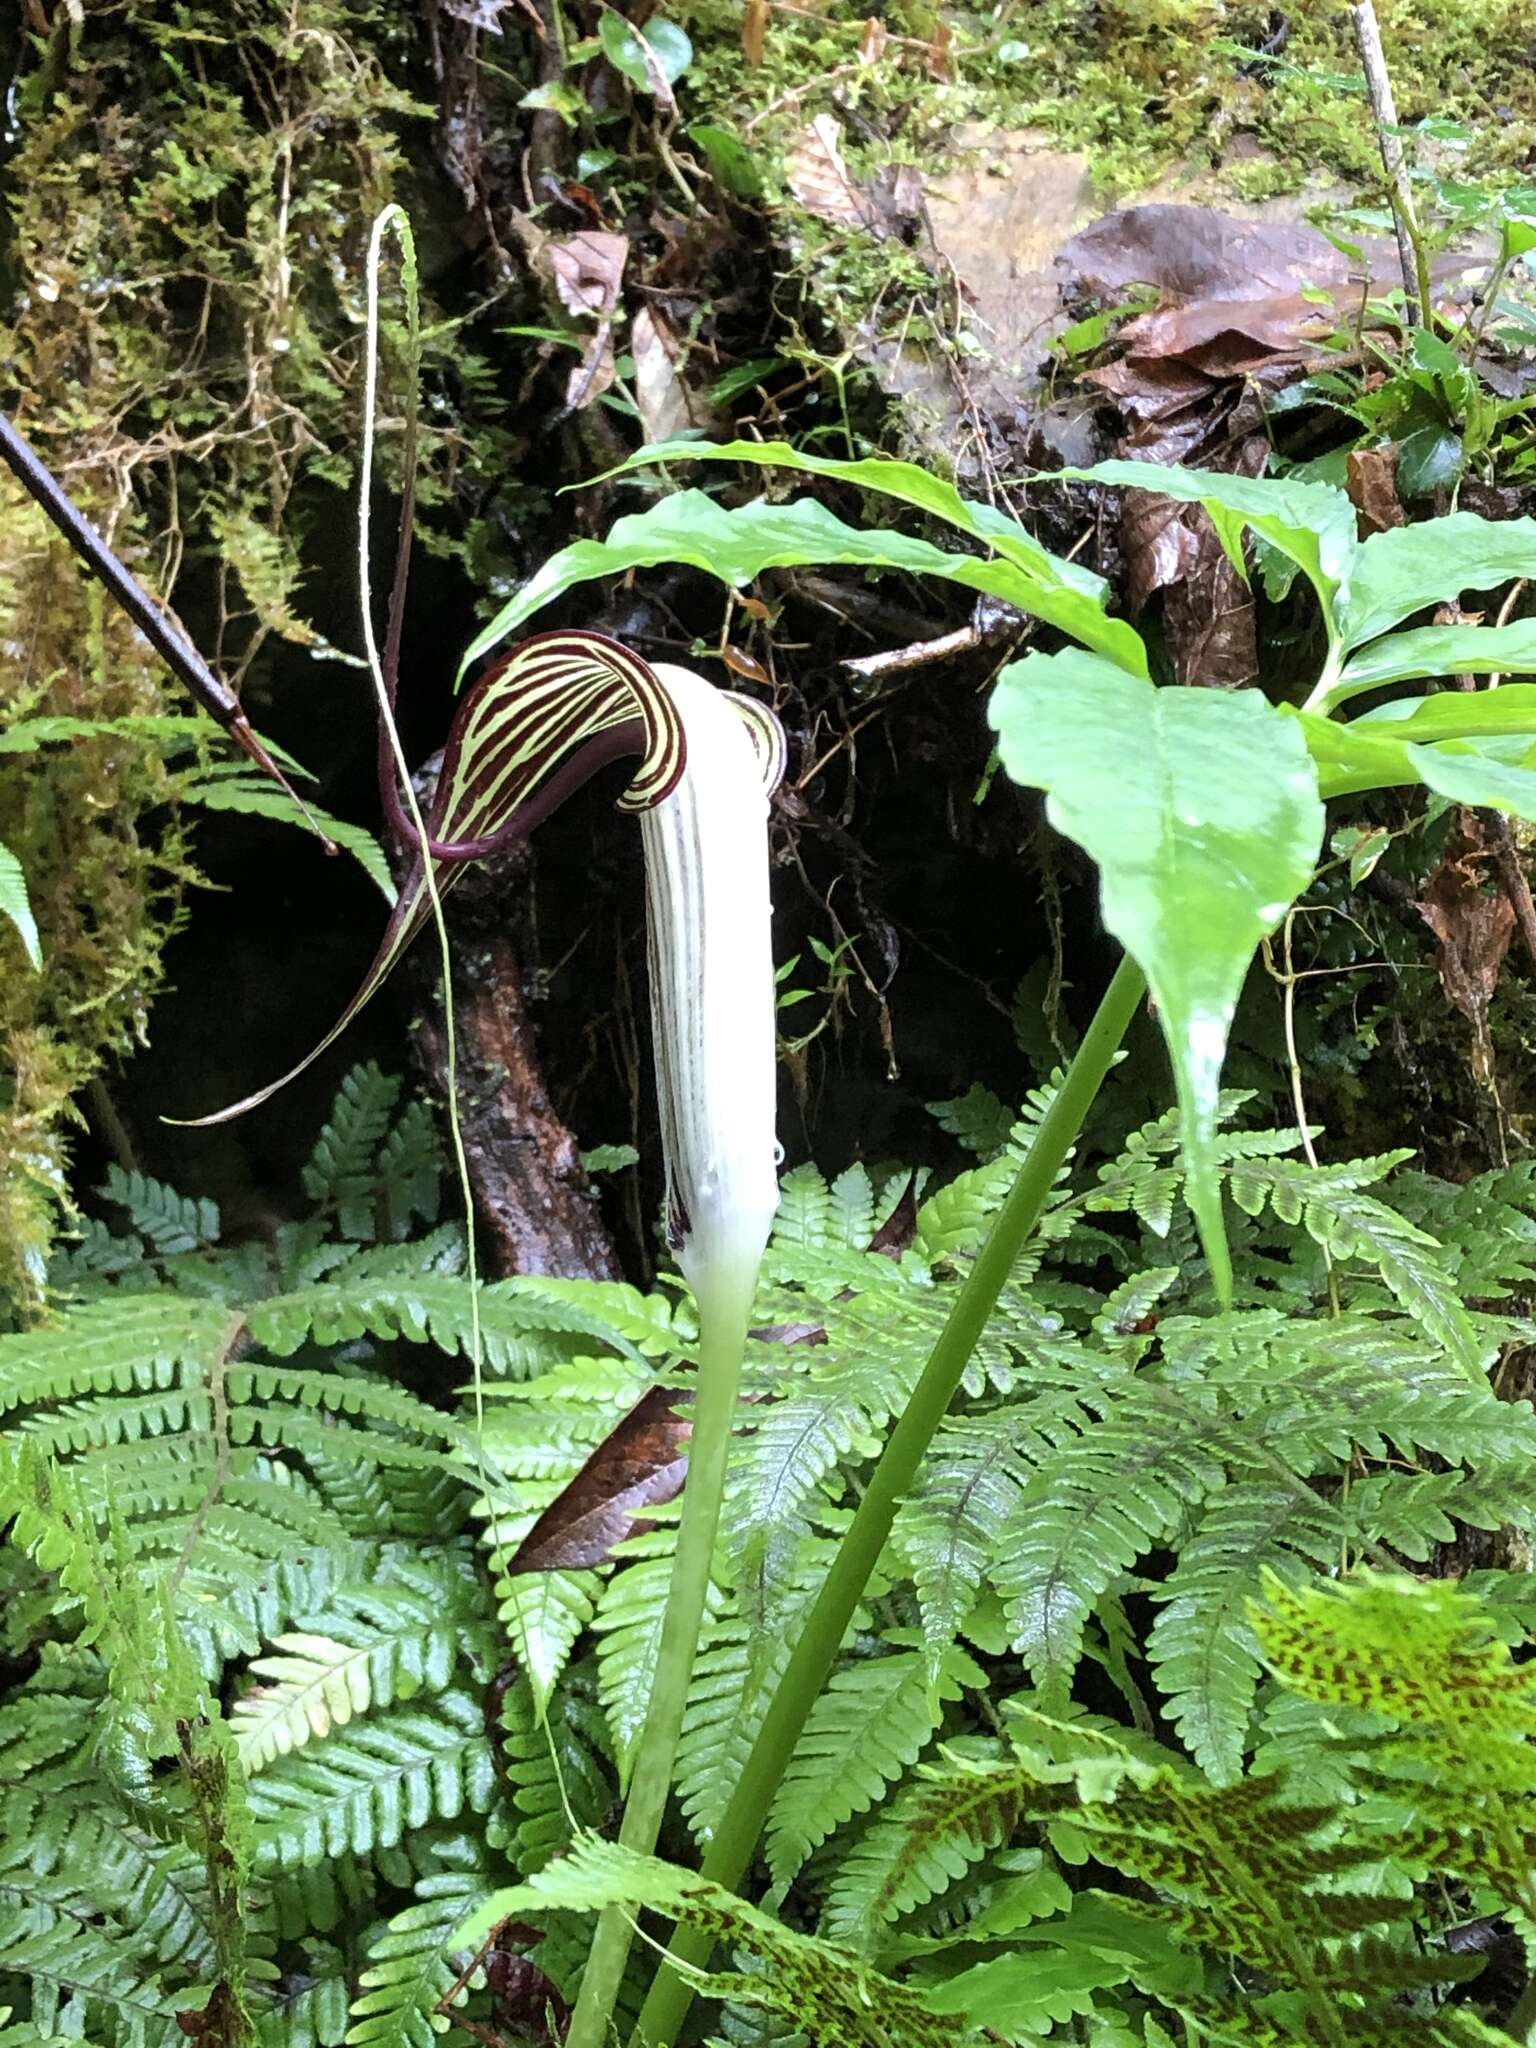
(534, 1202)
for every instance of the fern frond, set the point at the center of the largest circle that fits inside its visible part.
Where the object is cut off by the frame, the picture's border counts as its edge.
(628, 1628)
(414, 1967)
(542, 1614)
(831, 1993)
(1331, 1205)
(926, 1841)
(872, 1721)
(980, 1120)
(804, 1217)
(341, 1173)
(169, 1222)
(368, 1652)
(308, 2012)
(1127, 1482)
(425, 1308)
(1201, 1646)
(733, 1680)
(363, 1788)
(129, 1344)
(555, 1768)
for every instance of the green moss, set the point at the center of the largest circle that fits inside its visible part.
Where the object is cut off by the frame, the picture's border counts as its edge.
(1141, 87)
(187, 209)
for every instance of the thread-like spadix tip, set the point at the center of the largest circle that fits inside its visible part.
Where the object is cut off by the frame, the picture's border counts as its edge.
(524, 738)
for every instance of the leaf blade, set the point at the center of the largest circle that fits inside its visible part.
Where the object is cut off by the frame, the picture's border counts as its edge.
(16, 905)
(1204, 817)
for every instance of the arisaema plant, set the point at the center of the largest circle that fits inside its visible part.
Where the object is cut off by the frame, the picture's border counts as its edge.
(535, 728)
(1204, 811)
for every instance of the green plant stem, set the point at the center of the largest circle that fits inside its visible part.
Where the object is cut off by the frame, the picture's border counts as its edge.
(724, 1312)
(735, 1839)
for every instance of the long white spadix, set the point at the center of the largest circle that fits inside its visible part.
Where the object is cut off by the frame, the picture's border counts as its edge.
(711, 975)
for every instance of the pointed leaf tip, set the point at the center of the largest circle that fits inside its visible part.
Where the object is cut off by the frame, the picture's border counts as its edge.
(1201, 809)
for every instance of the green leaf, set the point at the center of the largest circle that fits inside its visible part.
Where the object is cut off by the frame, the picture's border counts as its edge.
(1351, 759)
(1497, 772)
(1439, 651)
(1456, 715)
(1313, 525)
(1471, 774)
(1429, 459)
(739, 545)
(1401, 572)
(15, 905)
(1201, 809)
(733, 164)
(1058, 582)
(262, 800)
(656, 56)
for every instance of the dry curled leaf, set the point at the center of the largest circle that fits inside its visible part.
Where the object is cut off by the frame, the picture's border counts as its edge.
(740, 663)
(638, 1465)
(873, 41)
(789, 1333)
(1371, 482)
(667, 406)
(1193, 253)
(482, 14)
(1473, 927)
(588, 270)
(819, 178)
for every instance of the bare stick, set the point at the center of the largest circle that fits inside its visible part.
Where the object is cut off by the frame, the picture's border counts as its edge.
(1410, 243)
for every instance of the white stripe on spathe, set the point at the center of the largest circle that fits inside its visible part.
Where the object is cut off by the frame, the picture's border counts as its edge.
(712, 990)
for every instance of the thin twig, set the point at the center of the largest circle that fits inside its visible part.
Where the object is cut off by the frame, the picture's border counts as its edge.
(982, 628)
(218, 1426)
(1410, 243)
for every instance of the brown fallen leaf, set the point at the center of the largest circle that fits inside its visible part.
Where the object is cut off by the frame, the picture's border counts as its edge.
(1371, 482)
(588, 270)
(816, 173)
(1473, 927)
(639, 1464)
(667, 406)
(1195, 252)
(482, 14)
(872, 43)
(789, 1333)
(740, 663)
(1180, 415)
(1226, 337)
(1236, 323)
